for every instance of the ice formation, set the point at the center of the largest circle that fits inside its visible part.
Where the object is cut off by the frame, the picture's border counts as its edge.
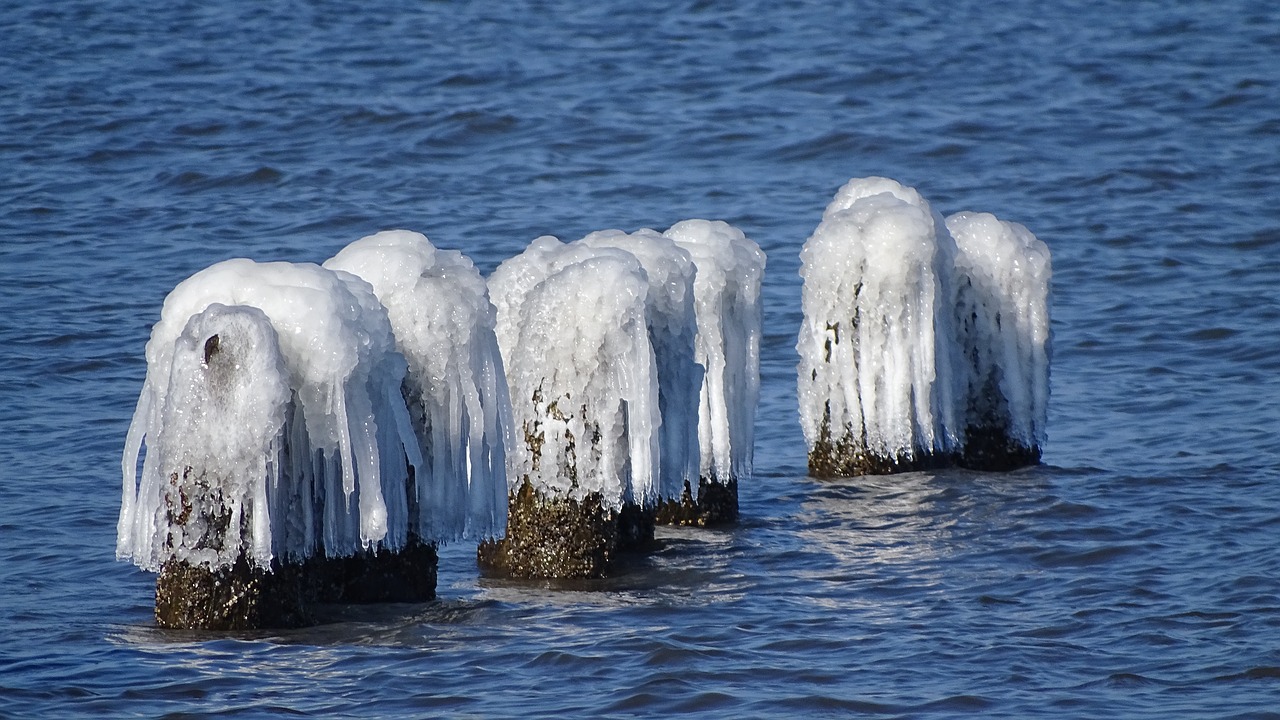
(1003, 275)
(456, 390)
(581, 372)
(513, 280)
(878, 363)
(271, 402)
(673, 330)
(730, 269)
(924, 341)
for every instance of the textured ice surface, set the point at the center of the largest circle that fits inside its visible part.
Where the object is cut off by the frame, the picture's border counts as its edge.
(878, 361)
(670, 315)
(581, 371)
(1003, 275)
(456, 389)
(730, 269)
(513, 280)
(334, 466)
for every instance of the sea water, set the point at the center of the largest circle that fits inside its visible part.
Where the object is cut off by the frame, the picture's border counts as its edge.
(1134, 573)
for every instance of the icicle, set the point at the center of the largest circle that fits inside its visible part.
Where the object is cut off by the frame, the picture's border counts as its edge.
(322, 383)
(727, 292)
(439, 308)
(672, 322)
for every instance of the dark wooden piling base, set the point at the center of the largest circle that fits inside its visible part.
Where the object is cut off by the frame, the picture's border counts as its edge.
(717, 504)
(552, 538)
(402, 576)
(992, 450)
(845, 458)
(241, 597)
(986, 449)
(244, 597)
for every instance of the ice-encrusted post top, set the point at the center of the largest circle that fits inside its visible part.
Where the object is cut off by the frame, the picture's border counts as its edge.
(344, 374)
(456, 389)
(584, 390)
(672, 321)
(727, 299)
(877, 368)
(1003, 275)
(584, 387)
(730, 270)
(275, 436)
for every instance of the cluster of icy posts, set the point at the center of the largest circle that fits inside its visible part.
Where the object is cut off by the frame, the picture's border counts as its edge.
(312, 433)
(925, 342)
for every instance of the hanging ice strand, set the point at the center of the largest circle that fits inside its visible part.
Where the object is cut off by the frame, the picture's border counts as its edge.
(1002, 276)
(275, 439)
(730, 270)
(672, 319)
(456, 389)
(879, 366)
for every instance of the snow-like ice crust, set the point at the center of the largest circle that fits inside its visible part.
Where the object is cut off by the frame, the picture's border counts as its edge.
(1004, 274)
(673, 331)
(730, 270)
(331, 455)
(581, 371)
(456, 389)
(917, 329)
(878, 359)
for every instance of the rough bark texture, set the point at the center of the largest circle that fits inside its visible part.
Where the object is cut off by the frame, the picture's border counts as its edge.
(717, 504)
(244, 597)
(402, 576)
(843, 457)
(564, 538)
(241, 597)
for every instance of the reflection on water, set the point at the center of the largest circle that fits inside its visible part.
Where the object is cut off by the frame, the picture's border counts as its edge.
(908, 536)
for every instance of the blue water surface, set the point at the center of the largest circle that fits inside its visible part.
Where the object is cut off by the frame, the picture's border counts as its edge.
(1134, 574)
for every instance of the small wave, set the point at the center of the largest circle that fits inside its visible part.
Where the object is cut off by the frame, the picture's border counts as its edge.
(831, 144)
(810, 704)
(200, 129)
(1128, 679)
(1209, 334)
(196, 180)
(1260, 239)
(1263, 672)
(959, 702)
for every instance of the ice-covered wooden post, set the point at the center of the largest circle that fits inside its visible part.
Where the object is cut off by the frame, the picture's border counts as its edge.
(455, 388)
(730, 269)
(672, 319)
(275, 439)
(878, 359)
(584, 392)
(1002, 277)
